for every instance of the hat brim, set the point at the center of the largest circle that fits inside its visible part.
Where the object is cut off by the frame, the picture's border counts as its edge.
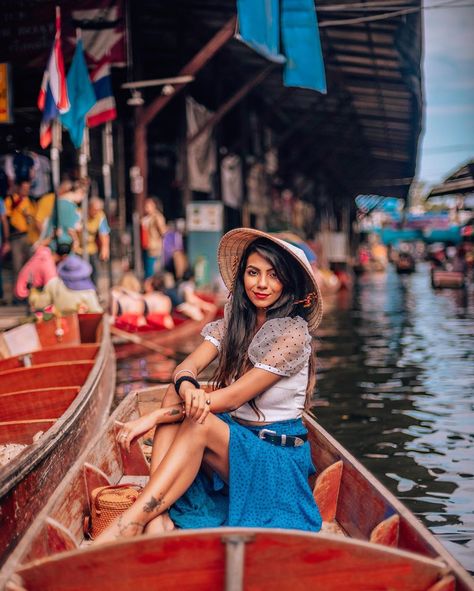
(234, 243)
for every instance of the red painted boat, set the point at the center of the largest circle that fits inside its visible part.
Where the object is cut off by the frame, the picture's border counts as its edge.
(52, 402)
(370, 540)
(447, 279)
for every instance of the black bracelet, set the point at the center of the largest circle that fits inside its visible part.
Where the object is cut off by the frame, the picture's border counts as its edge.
(179, 381)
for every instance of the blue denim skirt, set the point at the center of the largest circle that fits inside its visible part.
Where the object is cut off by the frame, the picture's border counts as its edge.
(268, 485)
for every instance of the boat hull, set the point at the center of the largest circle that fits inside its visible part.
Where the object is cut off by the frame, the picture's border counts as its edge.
(29, 480)
(49, 556)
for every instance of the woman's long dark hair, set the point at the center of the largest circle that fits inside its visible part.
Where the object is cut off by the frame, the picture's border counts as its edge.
(242, 318)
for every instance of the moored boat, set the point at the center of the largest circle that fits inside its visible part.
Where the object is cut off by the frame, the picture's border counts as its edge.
(165, 340)
(441, 278)
(52, 401)
(369, 541)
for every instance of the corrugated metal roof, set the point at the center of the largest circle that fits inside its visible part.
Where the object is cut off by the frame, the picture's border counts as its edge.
(360, 137)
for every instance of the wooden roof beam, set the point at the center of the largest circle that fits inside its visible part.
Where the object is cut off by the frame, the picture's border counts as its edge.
(230, 103)
(196, 64)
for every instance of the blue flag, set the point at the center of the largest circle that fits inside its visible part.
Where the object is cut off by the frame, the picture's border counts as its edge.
(81, 96)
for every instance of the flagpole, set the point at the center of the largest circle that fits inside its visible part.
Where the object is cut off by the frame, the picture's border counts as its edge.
(55, 167)
(107, 163)
(56, 147)
(84, 157)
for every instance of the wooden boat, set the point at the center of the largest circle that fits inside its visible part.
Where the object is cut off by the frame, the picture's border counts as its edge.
(52, 401)
(165, 341)
(370, 540)
(447, 279)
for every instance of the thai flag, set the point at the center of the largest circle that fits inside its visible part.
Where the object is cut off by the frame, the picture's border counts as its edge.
(53, 98)
(104, 109)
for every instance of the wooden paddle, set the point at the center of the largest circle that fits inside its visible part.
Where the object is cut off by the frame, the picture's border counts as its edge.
(134, 338)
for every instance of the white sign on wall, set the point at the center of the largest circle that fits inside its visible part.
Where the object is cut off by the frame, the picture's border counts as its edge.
(204, 217)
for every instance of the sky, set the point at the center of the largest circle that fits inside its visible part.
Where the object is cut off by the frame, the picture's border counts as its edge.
(448, 68)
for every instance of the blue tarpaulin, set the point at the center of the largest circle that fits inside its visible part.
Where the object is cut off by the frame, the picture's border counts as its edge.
(263, 22)
(301, 45)
(259, 27)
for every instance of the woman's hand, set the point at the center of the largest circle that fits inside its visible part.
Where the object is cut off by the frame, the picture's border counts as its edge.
(132, 429)
(197, 404)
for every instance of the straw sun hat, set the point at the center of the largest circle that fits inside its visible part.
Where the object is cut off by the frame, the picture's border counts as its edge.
(230, 251)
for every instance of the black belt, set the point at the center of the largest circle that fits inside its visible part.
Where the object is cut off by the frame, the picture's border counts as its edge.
(283, 440)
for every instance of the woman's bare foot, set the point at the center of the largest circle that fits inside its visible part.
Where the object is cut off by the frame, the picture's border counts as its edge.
(122, 527)
(160, 524)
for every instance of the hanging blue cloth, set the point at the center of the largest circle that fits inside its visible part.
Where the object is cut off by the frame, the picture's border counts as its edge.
(259, 27)
(263, 22)
(268, 485)
(302, 46)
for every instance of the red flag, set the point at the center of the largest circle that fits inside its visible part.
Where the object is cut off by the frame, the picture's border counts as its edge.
(53, 98)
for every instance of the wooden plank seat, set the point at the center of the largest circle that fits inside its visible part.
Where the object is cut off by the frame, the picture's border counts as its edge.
(23, 431)
(36, 404)
(51, 355)
(68, 373)
(299, 560)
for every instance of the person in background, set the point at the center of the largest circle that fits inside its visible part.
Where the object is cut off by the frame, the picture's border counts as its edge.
(64, 222)
(152, 229)
(23, 232)
(39, 281)
(75, 272)
(175, 260)
(4, 229)
(98, 236)
(182, 295)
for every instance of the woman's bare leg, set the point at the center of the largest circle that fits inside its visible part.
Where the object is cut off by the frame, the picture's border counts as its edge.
(175, 474)
(162, 440)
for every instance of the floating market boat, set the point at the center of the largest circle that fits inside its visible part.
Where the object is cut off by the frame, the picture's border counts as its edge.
(441, 278)
(53, 400)
(370, 540)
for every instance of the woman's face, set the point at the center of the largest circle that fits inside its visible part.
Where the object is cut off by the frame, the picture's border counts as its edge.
(261, 283)
(149, 206)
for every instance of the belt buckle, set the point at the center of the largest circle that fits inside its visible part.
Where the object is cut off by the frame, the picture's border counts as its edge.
(263, 432)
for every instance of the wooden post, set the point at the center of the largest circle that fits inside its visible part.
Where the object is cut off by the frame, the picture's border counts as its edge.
(107, 163)
(84, 156)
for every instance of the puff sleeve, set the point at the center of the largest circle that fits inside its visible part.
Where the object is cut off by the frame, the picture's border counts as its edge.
(281, 346)
(213, 332)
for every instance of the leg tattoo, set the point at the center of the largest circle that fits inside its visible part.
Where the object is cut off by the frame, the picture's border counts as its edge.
(153, 504)
(123, 527)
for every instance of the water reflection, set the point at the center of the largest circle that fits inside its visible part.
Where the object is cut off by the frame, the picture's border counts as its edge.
(396, 388)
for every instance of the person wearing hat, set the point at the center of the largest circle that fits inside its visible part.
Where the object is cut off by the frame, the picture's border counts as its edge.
(73, 270)
(238, 455)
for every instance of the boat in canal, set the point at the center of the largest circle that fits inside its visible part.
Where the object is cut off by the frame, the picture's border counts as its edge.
(369, 541)
(441, 278)
(54, 397)
(164, 341)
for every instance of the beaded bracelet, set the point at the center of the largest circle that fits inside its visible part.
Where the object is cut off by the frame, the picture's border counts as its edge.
(183, 371)
(178, 383)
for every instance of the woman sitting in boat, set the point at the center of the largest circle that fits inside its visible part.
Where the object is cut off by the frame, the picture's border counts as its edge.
(238, 455)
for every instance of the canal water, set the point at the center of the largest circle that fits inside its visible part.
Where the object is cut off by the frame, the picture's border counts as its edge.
(396, 388)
